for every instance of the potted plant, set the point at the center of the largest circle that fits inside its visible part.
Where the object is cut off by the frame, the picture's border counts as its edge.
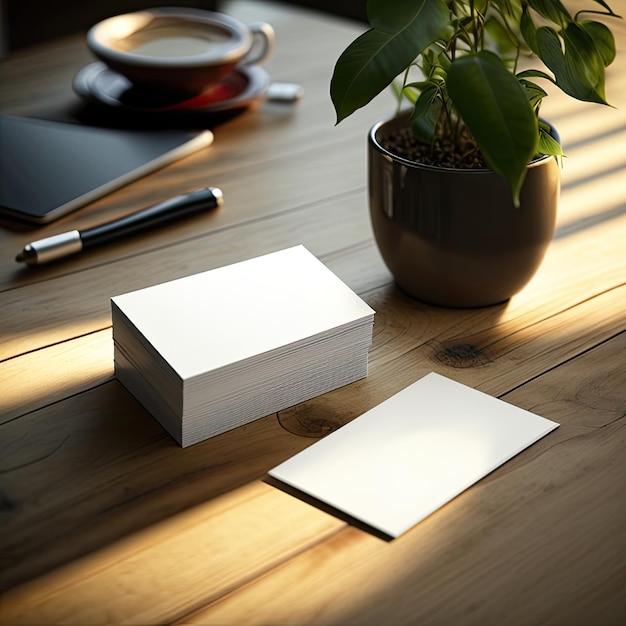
(464, 184)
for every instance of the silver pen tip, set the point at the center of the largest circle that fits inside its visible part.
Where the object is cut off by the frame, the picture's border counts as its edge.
(218, 195)
(21, 257)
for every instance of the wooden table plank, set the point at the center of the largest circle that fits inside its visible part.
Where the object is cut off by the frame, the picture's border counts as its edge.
(38, 379)
(53, 484)
(57, 311)
(255, 523)
(472, 562)
(476, 526)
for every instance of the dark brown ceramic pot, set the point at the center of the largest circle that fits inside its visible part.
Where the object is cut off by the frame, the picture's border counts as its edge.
(452, 237)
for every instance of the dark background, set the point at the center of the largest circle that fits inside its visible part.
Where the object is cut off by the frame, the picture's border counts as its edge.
(27, 22)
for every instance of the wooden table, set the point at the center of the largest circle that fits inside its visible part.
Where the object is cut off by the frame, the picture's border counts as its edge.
(106, 520)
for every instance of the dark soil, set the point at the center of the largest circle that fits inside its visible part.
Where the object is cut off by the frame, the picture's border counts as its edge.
(442, 153)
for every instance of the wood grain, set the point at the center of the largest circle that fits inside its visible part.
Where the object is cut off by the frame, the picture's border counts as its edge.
(114, 493)
(472, 562)
(157, 562)
(473, 538)
(38, 379)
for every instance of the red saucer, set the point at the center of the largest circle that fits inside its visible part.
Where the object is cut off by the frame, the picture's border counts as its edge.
(99, 83)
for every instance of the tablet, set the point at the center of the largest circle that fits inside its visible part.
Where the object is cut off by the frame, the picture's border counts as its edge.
(48, 168)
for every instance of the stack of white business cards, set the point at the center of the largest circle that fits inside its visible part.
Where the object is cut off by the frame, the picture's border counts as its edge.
(216, 350)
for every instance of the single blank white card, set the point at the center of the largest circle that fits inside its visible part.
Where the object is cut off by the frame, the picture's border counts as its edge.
(402, 460)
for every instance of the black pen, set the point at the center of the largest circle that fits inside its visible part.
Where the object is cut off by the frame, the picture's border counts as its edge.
(59, 246)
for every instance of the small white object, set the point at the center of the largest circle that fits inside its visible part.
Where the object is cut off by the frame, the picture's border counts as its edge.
(285, 92)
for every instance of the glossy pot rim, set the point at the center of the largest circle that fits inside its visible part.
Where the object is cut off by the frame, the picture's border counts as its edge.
(373, 141)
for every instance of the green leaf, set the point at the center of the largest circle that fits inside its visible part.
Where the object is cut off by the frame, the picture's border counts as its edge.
(522, 76)
(548, 144)
(411, 91)
(535, 93)
(424, 117)
(444, 61)
(552, 10)
(392, 16)
(374, 59)
(577, 66)
(529, 31)
(603, 40)
(606, 6)
(497, 112)
(419, 85)
(550, 50)
(365, 68)
(585, 62)
(536, 74)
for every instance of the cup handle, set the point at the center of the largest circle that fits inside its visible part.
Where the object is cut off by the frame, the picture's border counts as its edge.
(263, 43)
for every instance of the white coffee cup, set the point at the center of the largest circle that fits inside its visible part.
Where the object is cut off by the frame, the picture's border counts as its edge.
(178, 49)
